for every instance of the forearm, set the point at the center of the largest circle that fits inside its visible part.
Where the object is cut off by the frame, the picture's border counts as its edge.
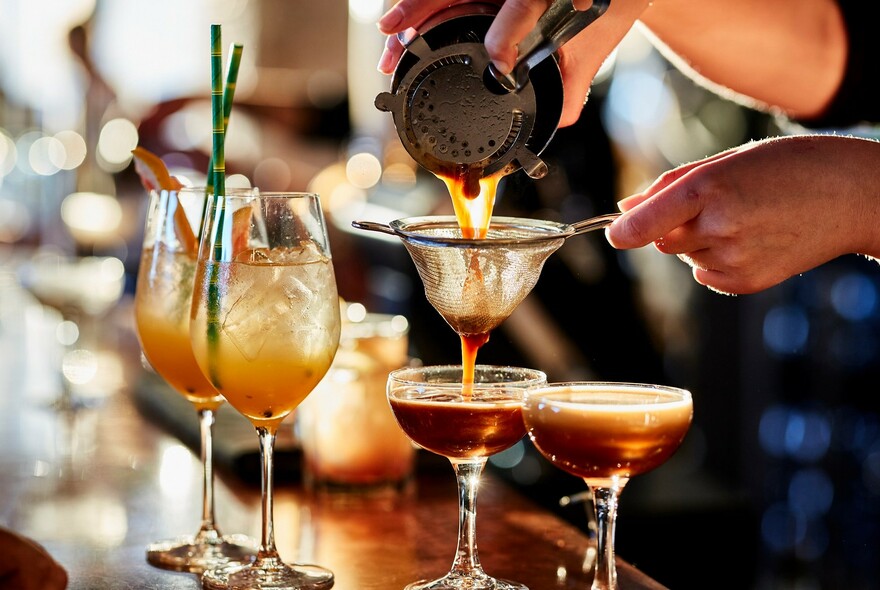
(785, 54)
(852, 183)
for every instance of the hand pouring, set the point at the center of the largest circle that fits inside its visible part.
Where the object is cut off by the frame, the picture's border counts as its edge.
(453, 110)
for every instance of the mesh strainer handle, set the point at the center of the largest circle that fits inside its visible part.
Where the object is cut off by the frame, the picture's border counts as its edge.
(374, 226)
(592, 223)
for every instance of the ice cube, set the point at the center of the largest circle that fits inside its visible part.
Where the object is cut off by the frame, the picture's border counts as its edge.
(254, 308)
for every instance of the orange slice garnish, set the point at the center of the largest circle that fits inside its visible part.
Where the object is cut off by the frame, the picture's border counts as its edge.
(155, 176)
(241, 231)
(153, 172)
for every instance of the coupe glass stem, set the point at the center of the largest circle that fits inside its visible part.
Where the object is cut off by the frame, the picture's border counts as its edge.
(467, 473)
(206, 429)
(267, 540)
(605, 502)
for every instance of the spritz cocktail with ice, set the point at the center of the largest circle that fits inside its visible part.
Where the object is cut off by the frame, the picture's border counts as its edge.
(163, 297)
(265, 328)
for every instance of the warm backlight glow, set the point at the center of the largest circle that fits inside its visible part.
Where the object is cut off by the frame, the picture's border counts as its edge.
(91, 217)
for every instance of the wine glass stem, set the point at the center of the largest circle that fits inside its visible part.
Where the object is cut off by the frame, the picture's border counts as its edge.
(605, 502)
(467, 473)
(206, 429)
(267, 540)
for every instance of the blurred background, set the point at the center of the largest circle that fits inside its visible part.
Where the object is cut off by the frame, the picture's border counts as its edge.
(778, 483)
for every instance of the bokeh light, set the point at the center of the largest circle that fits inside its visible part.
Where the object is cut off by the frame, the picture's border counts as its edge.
(803, 435)
(74, 149)
(811, 492)
(273, 174)
(46, 156)
(79, 366)
(854, 296)
(118, 137)
(363, 170)
(91, 217)
(366, 11)
(23, 151)
(786, 329)
(8, 153)
(15, 220)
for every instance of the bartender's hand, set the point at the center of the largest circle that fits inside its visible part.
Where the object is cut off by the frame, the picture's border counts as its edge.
(580, 58)
(751, 217)
(25, 565)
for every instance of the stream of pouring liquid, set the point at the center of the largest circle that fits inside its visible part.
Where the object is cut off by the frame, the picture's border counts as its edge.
(473, 198)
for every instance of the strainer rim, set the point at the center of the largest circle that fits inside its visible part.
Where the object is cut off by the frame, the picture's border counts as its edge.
(553, 230)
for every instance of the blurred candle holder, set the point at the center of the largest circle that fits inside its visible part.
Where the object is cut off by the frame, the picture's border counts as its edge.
(350, 441)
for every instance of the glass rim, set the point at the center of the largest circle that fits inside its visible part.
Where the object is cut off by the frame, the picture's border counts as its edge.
(254, 195)
(204, 189)
(549, 389)
(536, 376)
(287, 194)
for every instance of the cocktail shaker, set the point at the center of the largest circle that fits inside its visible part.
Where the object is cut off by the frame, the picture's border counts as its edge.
(452, 109)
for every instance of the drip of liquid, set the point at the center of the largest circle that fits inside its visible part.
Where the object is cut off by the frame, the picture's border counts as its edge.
(470, 344)
(473, 199)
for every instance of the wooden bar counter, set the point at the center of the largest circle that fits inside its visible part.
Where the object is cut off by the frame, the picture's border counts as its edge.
(95, 485)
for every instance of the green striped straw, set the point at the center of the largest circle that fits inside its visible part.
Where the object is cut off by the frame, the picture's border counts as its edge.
(218, 171)
(218, 155)
(228, 94)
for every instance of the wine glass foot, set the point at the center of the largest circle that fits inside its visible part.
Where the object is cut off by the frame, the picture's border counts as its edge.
(453, 581)
(68, 403)
(188, 554)
(268, 573)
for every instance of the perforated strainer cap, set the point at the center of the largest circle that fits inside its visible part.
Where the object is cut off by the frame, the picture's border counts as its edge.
(457, 115)
(452, 115)
(475, 284)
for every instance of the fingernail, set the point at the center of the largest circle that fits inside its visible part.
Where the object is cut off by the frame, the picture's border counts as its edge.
(384, 65)
(390, 20)
(623, 204)
(502, 66)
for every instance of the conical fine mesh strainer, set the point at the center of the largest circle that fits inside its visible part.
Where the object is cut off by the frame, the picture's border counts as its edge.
(475, 284)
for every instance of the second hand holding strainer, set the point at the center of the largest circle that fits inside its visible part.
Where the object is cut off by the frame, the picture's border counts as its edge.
(475, 284)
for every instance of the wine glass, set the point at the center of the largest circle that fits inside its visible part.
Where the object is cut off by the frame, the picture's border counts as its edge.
(466, 423)
(265, 328)
(83, 290)
(607, 433)
(163, 298)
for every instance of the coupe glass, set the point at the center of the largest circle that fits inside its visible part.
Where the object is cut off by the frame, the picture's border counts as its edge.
(607, 433)
(466, 423)
(265, 328)
(162, 303)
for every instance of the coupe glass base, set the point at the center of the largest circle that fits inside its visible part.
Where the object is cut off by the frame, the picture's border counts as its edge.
(470, 582)
(195, 555)
(268, 573)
